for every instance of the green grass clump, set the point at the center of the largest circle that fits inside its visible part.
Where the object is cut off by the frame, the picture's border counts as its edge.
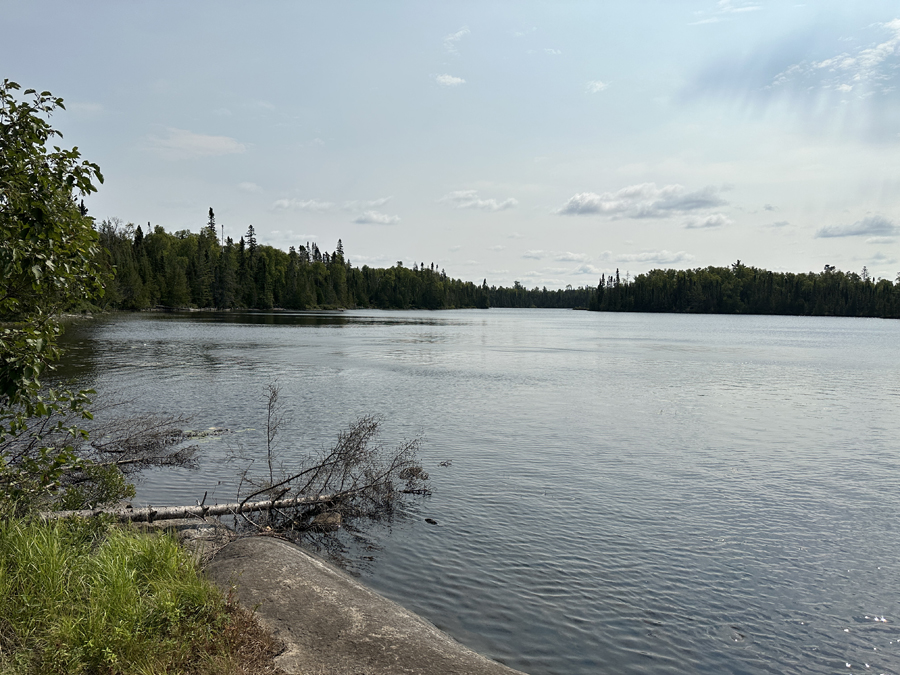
(82, 597)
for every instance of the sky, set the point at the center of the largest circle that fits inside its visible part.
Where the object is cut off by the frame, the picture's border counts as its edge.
(540, 142)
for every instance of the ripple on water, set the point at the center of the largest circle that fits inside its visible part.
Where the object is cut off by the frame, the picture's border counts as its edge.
(628, 493)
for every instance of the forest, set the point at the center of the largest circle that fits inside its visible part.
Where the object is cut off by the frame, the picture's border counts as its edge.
(186, 269)
(740, 289)
(155, 268)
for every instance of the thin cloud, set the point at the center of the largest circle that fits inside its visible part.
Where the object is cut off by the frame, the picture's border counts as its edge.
(732, 7)
(357, 204)
(595, 86)
(875, 226)
(854, 89)
(449, 80)
(883, 259)
(469, 199)
(451, 40)
(662, 257)
(312, 205)
(533, 255)
(714, 220)
(552, 52)
(726, 8)
(643, 201)
(780, 223)
(586, 269)
(177, 144)
(249, 187)
(880, 240)
(568, 256)
(498, 247)
(376, 218)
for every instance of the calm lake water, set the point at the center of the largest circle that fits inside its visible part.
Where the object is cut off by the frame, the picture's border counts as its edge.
(629, 493)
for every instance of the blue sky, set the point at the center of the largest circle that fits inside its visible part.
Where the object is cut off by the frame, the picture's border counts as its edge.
(545, 142)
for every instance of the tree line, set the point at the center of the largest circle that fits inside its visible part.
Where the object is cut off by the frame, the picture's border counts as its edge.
(187, 269)
(740, 289)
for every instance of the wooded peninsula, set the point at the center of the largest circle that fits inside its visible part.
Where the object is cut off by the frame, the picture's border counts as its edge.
(187, 269)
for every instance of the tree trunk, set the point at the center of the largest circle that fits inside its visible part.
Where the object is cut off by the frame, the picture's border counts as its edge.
(149, 514)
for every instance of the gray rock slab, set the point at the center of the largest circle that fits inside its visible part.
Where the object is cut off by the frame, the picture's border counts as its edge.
(331, 623)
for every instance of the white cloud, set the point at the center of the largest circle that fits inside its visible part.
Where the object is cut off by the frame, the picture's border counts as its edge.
(870, 225)
(516, 235)
(595, 86)
(865, 71)
(469, 199)
(880, 240)
(249, 187)
(376, 218)
(724, 8)
(178, 144)
(552, 52)
(655, 257)
(533, 255)
(381, 201)
(451, 40)
(568, 256)
(643, 201)
(780, 223)
(449, 80)
(313, 205)
(587, 269)
(733, 7)
(498, 247)
(356, 203)
(714, 220)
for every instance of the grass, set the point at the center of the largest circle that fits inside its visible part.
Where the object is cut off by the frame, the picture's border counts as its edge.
(82, 597)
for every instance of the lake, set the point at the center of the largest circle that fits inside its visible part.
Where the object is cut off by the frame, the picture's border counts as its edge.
(627, 493)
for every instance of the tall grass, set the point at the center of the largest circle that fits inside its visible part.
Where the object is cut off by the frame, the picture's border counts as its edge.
(78, 597)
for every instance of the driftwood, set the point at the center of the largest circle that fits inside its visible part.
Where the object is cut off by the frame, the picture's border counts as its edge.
(150, 514)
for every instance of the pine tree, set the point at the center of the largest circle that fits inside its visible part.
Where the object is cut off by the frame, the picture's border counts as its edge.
(211, 226)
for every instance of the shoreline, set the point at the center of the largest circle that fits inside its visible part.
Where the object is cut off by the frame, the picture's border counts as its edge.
(326, 620)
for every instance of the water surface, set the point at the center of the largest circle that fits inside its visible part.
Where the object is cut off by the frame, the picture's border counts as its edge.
(628, 493)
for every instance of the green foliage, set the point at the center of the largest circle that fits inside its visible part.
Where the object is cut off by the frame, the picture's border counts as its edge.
(77, 597)
(49, 261)
(186, 269)
(740, 289)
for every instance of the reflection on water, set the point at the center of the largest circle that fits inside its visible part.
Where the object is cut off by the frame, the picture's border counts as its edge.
(628, 493)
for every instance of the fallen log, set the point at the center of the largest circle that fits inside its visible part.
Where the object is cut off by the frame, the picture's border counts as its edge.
(150, 514)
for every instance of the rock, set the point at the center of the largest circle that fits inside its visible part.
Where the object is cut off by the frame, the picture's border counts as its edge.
(331, 623)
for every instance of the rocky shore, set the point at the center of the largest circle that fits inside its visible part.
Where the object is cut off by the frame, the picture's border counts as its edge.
(327, 621)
